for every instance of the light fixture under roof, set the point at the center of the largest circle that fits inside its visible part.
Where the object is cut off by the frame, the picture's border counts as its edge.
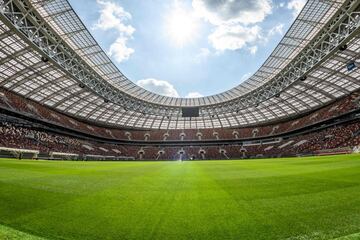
(343, 47)
(44, 59)
(303, 78)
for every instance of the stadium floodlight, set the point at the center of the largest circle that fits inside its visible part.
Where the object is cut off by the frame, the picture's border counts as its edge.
(343, 47)
(44, 59)
(303, 78)
(351, 65)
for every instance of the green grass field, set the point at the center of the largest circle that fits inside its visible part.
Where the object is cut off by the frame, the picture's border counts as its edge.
(294, 199)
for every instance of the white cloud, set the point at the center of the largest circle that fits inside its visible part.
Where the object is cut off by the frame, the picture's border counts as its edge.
(113, 17)
(119, 50)
(203, 54)
(158, 86)
(164, 88)
(235, 21)
(278, 29)
(194, 95)
(296, 6)
(245, 77)
(253, 50)
(233, 11)
(233, 37)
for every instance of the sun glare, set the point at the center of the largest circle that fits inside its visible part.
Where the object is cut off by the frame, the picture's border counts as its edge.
(181, 27)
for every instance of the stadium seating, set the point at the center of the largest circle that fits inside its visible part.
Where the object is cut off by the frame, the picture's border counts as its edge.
(16, 103)
(336, 137)
(29, 137)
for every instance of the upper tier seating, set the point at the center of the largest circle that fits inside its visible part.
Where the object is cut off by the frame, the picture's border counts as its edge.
(24, 106)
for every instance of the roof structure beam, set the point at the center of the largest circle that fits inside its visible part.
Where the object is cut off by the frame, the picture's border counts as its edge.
(59, 53)
(26, 23)
(328, 95)
(338, 31)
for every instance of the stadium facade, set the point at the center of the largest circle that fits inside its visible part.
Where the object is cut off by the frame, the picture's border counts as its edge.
(61, 95)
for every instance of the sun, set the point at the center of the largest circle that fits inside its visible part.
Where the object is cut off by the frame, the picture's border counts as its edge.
(182, 27)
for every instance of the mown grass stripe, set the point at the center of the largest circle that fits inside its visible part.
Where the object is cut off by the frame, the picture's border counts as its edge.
(296, 198)
(7, 233)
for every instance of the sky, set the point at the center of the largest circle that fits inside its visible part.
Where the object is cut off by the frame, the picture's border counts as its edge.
(188, 48)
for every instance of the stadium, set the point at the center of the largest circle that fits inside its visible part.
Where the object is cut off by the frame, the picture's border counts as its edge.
(88, 153)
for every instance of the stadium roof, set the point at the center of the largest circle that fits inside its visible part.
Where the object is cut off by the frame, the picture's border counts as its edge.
(48, 55)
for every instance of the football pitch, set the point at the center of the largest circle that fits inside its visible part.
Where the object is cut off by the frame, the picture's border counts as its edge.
(293, 199)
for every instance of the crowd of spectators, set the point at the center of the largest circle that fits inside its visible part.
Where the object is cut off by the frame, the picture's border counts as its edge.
(333, 138)
(345, 135)
(25, 137)
(16, 103)
(17, 137)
